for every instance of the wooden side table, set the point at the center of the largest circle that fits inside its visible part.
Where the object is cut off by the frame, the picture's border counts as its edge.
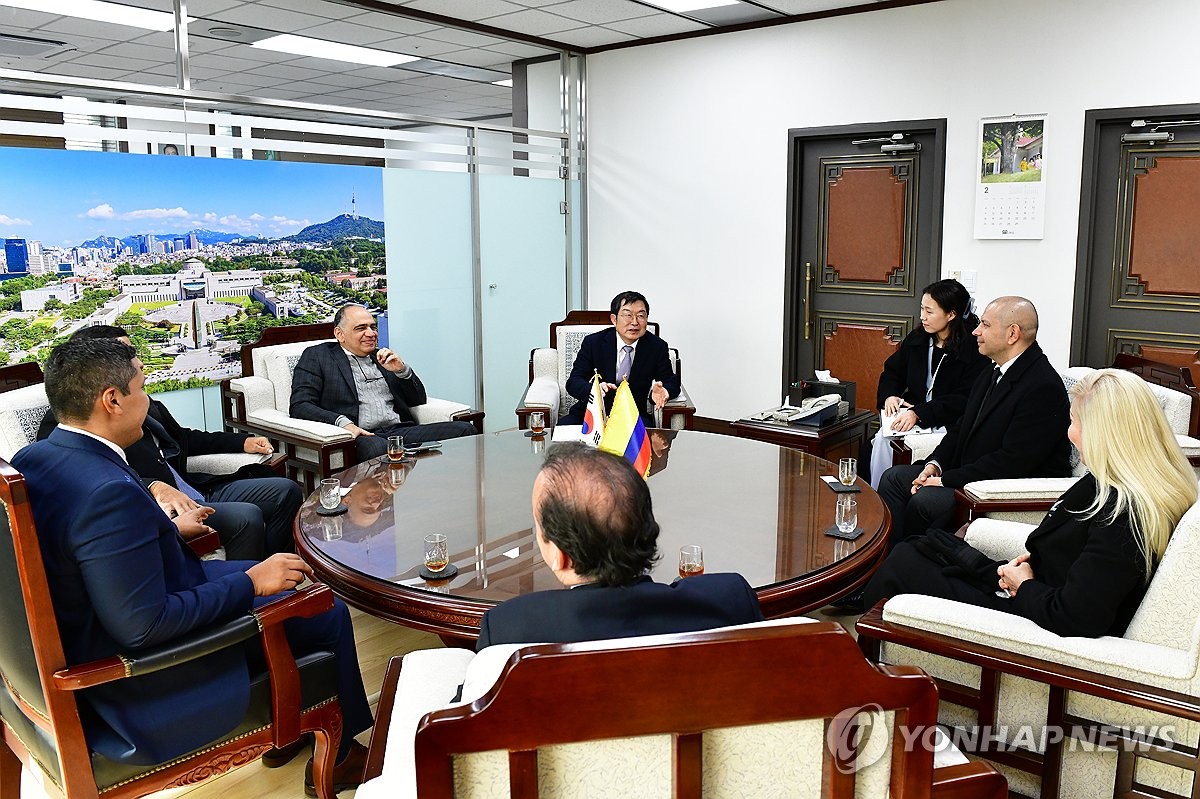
(843, 438)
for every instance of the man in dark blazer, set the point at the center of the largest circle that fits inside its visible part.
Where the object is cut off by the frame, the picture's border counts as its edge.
(370, 392)
(1014, 425)
(595, 528)
(122, 579)
(253, 509)
(648, 368)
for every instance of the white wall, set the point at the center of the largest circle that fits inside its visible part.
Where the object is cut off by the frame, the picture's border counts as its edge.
(687, 154)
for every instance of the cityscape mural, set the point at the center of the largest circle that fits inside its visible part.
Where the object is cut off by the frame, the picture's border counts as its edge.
(193, 256)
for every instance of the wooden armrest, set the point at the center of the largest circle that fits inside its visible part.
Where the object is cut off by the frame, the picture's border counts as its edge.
(307, 602)
(969, 781)
(872, 628)
(383, 718)
(277, 464)
(470, 415)
(204, 543)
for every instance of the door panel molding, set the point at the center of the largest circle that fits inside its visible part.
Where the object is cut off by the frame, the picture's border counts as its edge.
(1156, 250)
(869, 185)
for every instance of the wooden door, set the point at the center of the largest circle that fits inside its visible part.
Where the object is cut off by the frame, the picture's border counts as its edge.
(864, 237)
(1138, 271)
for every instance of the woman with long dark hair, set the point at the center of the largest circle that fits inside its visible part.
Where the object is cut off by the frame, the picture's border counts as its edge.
(925, 382)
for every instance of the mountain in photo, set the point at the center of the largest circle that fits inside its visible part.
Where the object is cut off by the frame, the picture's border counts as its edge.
(340, 227)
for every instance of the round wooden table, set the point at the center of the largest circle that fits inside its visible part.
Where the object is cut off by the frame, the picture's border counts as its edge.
(756, 508)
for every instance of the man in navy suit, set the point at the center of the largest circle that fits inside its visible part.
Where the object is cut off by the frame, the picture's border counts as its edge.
(368, 392)
(122, 579)
(595, 527)
(1014, 425)
(627, 350)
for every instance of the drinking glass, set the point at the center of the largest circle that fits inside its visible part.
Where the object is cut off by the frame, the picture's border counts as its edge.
(847, 514)
(537, 423)
(395, 448)
(691, 560)
(396, 475)
(848, 471)
(436, 553)
(331, 493)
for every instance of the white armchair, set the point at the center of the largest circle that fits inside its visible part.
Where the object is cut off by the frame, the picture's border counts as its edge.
(745, 711)
(1005, 672)
(549, 368)
(259, 401)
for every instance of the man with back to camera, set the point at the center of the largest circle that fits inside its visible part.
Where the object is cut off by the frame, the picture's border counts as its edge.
(252, 509)
(122, 579)
(1014, 425)
(368, 392)
(594, 524)
(627, 350)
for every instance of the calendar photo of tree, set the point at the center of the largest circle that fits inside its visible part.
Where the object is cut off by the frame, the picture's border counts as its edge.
(1011, 150)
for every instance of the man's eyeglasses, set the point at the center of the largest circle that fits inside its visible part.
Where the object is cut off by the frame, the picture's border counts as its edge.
(626, 316)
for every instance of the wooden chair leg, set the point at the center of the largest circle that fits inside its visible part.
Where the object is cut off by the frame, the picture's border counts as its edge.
(10, 771)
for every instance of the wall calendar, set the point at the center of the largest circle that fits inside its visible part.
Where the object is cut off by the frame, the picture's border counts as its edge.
(1010, 196)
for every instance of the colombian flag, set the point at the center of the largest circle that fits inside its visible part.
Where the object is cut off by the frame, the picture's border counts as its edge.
(625, 434)
(593, 417)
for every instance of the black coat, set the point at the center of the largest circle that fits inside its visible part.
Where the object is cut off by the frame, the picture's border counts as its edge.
(906, 372)
(323, 387)
(1088, 573)
(591, 612)
(1021, 432)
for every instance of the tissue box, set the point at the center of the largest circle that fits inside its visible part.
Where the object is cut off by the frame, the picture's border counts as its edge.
(815, 388)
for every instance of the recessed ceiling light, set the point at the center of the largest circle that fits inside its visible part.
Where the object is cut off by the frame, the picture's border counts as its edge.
(507, 82)
(225, 33)
(100, 12)
(680, 6)
(319, 48)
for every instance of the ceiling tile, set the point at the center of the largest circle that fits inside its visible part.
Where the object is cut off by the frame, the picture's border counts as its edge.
(116, 62)
(593, 36)
(462, 38)
(206, 8)
(268, 18)
(479, 58)
(70, 26)
(317, 8)
(84, 71)
(24, 19)
(657, 25)
(533, 22)
(520, 50)
(473, 10)
(145, 52)
(388, 22)
(343, 79)
(418, 46)
(598, 12)
(288, 71)
(348, 33)
(252, 79)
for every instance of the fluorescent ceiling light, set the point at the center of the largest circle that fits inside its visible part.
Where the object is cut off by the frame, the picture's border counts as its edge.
(506, 82)
(319, 48)
(680, 6)
(100, 12)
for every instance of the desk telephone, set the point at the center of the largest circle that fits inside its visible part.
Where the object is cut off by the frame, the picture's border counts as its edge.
(791, 413)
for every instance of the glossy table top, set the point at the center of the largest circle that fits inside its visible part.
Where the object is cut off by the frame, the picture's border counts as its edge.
(756, 508)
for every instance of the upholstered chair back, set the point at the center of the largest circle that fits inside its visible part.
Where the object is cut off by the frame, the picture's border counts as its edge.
(21, 413)
(1170, 612)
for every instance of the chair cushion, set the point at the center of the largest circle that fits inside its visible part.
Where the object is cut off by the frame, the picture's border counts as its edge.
(257, 392)
(21, 412)
(1021, 488)
(437, 410)
(279, 421)
(1168, 612)
(221, 462)
(277, 363)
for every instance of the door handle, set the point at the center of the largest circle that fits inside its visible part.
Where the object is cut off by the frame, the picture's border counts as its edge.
(807, 300)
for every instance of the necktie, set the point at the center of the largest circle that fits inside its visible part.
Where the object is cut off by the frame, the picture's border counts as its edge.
(185, 487)
(626, 363)
(987, 394)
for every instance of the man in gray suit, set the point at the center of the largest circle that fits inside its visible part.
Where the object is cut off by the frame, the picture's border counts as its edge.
(370, 392)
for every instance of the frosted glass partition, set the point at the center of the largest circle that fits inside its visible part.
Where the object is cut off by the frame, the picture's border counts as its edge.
(522, 246)
(431, 305)
(577, 274)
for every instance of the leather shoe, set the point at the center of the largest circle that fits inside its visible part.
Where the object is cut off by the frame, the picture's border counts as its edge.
(274, 758)
(346, 775)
